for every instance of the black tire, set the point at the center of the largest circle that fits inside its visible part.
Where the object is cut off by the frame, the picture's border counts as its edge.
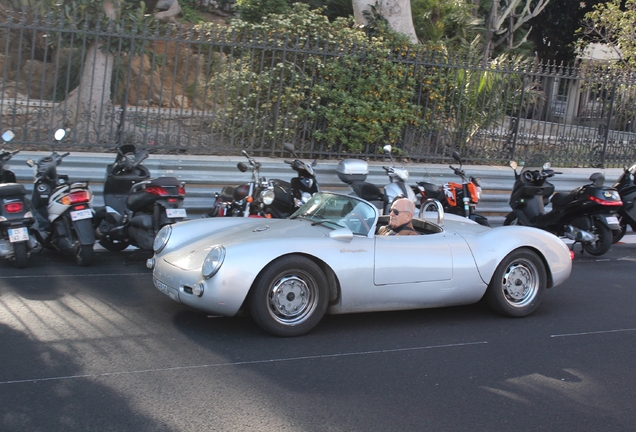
(85, 255)
(511, 219)
(113, 245)
(617, 235)
(301, 285)
(517, 287)
(604, 242)
(20, 254)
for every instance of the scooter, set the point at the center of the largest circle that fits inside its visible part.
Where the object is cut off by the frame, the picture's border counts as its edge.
(16, 242)
(457, 198)
(273, 198)
(136, 206)
(63, 210)
(586, 215)
(626, 187)
(354, 173)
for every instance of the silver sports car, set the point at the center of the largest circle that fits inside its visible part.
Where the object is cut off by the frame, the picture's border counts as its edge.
(327, 258)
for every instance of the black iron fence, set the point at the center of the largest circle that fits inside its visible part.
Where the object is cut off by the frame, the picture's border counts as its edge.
(215, 92)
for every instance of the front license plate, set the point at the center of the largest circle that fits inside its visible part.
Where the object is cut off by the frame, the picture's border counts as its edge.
(162, 287)
(81, 214)
(176, 213)
(611, 220)
(18, 235)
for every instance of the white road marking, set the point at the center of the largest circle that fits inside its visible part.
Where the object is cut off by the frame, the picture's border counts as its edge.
(592, 333)
(74, 275)
(241, 363)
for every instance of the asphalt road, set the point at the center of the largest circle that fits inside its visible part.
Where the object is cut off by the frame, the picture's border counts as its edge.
(100, 349)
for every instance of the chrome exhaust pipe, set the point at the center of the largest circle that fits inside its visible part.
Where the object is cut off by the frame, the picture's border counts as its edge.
(579, 235)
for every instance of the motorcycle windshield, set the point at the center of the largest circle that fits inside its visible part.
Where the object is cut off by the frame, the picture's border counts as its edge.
(535, 162)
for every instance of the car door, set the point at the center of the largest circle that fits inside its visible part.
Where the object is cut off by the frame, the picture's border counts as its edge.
(413, 259)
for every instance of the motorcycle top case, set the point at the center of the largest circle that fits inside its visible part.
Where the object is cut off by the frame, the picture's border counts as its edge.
(352, 170)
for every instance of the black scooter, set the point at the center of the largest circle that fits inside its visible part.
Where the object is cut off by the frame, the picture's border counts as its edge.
(585, 215)
(626, 186)
(136, 206)
(273, 198)
(16, 217)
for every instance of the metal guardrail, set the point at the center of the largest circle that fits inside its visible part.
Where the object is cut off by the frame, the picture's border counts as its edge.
(205, 175)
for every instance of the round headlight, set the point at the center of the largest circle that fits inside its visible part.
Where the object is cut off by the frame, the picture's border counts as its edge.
(306, 197)
(161, 239)
(267, 196)
(213, 261)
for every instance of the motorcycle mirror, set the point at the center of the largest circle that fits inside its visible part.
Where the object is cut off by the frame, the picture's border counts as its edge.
(547, 166)
(513, 165)
(387, 149)
(457, 157)
(59, 134)
(289, 148)
(30, 163)
(241, 167)
(8, 136)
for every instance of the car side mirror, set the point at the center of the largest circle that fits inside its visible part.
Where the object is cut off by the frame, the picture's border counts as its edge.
(342, 234)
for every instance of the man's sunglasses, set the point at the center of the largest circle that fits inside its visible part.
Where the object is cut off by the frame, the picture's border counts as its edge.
(397, 212)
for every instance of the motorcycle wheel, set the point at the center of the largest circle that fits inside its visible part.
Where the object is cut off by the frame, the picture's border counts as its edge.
(85, 255)
(618, 234)
(20, 254)
(604, 242)
(113, 245)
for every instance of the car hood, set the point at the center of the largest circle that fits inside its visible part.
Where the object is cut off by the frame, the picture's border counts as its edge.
(189, 255)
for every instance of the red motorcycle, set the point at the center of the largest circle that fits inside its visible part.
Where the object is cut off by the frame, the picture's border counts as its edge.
(456, 198)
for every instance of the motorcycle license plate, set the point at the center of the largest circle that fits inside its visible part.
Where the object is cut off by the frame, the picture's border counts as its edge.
(611, 220)
(18, 235)
(176, 213)
(81, 214)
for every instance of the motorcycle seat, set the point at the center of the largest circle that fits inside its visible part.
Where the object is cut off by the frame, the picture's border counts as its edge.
(164, 181)
(431, 189)
(9, 189)
(367, 191)
(562, 199)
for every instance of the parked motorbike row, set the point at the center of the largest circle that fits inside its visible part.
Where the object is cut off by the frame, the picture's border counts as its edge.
(60, 214)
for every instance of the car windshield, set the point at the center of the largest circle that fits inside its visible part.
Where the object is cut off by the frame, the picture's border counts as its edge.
(338, 211)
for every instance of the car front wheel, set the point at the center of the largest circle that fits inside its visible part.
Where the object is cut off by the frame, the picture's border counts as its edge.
(290, 297)
(518, 284)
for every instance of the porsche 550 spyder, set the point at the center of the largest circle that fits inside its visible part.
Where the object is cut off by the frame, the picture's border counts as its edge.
(327, 258)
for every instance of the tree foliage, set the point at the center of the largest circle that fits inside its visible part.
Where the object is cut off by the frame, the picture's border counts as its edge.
(612, 24)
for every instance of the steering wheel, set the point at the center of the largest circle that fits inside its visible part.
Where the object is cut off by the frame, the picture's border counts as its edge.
(361, 219)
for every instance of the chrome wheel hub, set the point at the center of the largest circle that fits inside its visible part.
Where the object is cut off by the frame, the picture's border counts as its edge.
(520, 283)
(289, 296)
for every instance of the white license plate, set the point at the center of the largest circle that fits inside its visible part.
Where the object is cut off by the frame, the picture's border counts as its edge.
(611, 220)
(81, 214)
(176, 213)
(162, 287)
(18, 235)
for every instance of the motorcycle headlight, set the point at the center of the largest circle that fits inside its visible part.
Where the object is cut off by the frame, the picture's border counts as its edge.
(267, 196)
(213, 261)
(161, 239)
(306, 196)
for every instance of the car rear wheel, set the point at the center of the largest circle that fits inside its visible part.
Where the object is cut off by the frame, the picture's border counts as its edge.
(290, 297)
(518, 284)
